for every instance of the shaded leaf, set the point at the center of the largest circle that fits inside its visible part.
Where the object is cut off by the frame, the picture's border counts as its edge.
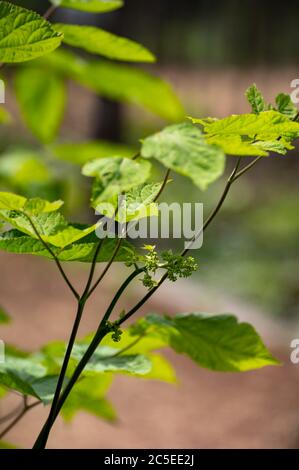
(285, 105)
(183, 149)
(101, 42)
(83, 250)
(41, 96)
(83, 152)
(24, 35)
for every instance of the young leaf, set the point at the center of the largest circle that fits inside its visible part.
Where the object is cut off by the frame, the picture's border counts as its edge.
(41, 96)
(285, 105)
(92, 6)
(255, 98)
(14, 241)
(183, 149)
(114, 176)
(269, 125)
(24, 35)
(89, 395)
(14, 202)
(218, 343)
(20, 374)
(234, 145)
(4, 318)
(98, 41)
(119, 82)
(83, 152)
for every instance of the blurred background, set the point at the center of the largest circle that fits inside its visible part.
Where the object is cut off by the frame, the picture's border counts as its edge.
(210, 52)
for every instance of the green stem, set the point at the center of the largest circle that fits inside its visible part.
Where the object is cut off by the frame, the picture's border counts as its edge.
(49, 249)
(99, 335)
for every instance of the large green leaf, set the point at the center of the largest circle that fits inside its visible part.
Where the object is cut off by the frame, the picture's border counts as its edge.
(101, 42)
(215, 342)
(183, 149)
(93, 6)
(255, 99)
(41, 96)
(268, 125)
(14, 202)
(83, 250)
(52, 227)
(114, 176)
(89, 395)
(234, 145)
(24, 35)
(4, 318)
(82, 152)
(119, 82)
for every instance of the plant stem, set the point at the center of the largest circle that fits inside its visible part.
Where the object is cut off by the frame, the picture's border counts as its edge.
(246, 168)
(49, 249)
(24, 410)
(99, 335)
(50, 11)
(163, 185)
(114, 254)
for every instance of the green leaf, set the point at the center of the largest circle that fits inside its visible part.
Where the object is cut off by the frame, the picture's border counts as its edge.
(255, 98)
(83, 152)
(106, 360)
(14, 202)
(285, 105)
(52, 227)
(101, 42)
(41, 96)
(217, 343)
(21, 167)
(268, 125)
(4, 318)
(114, 176)
(119, 82)
(234, 145)
(89, 395)
(183, 149)
(14, 241)
(93, 6)
(137, 204)
(24, 35)
(20, 374)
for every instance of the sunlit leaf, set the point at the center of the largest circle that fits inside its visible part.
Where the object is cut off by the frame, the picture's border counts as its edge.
(214, 342)
(183, 149)
(255, 99)
(101, 42)
(24, 35)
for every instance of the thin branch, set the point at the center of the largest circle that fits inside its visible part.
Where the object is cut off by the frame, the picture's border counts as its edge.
(24, 410)
(165, 181)
(49, 249)
(114, 254)
(246, 168)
